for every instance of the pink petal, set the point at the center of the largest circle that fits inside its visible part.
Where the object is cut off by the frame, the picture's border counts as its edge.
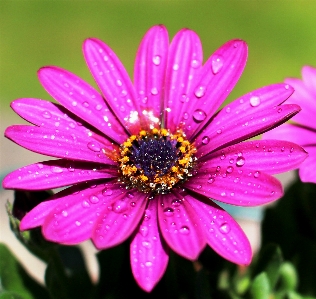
(37, 216)
(179, 225)
(49, 115)
(222, 232)
(294, 133)
(216, 80)
(149, 75)
(269, 156)
(113, 81)
(235, 185)
(149, 257)
(55, 174)
(242, 120)
(184, 64)
(81, 99)
(303, 97)
(60, 144)
(72, 220)
(308, 167)
(118, 221)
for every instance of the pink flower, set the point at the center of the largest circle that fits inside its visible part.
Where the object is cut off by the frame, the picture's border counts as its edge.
(144, 158)
(303, 131)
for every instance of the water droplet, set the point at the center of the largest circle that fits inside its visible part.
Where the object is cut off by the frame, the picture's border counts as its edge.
(200, 91)
(98, 107)
(47, 114)
(93, 146)
(176, 202)
(199, 115)
(133, 204)
(147, 215)
(224, 228)
(230, 169)
(254, 101)
(64, 213)
(154, 91)
(256, 174)
(148, 264)
(195, 63)
(211, 180)
(85, 204)
(184, 98)
(185, 115)
(240, 161)
(219, 131)
(205, 140)
(168, 211)
(93, 199)
(143, 230)
(107, 192)
(280, 110)
(175, 67)
(291, 150)
(146, 244)
(78, 223)
(119, 206)
(85, 104)
(156, 60)
(184, 230)
(56, 169)
(217, 63)
(228, 110)
(74, 103)
(119, 83)
(283, 149)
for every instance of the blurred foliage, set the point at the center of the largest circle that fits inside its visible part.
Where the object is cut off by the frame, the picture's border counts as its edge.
(283, 271)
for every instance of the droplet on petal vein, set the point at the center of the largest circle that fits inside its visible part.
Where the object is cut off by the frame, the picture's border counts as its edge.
(254, 101)
(217, 64)
(225, 228)
(199, 115)
(93, 146)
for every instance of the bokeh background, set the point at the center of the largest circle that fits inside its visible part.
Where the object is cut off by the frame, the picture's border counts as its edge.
(281, 36)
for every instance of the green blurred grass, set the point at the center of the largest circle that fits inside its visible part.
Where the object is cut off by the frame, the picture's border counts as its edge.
(281, 36)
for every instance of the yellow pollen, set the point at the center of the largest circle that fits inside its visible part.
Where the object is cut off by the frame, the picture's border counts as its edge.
(127, 144)
(164, 132)
(182, 149)
(142, 133)
(180, 139)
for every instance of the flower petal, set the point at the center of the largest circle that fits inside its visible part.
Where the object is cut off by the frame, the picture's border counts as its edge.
(60, 144)
(118, 221)
(306, 100)
(113, 81)
(294, 133)
(247, 117)
(309, 78)
(222, 232)
(149, 257)
(81, 99)
(56, 174)
(236, 186)
(149, 75)
(179, 225)
(269, 156)
(73, 218)
(37, 216)
(216, 80)
(184, 64)
(308, 167)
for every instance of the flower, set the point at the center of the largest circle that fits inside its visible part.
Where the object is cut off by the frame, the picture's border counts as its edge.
(143, 160)
(303, 131)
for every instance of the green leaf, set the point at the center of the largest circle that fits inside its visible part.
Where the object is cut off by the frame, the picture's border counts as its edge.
(269, 261)
(288, 277)
(260, 288)
(15, 279)
(11, 295)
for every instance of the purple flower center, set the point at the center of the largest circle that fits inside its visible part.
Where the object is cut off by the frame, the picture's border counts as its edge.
(156, 161)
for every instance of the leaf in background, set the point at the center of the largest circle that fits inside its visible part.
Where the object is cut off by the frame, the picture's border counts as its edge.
(291, 223)
(10, 295)
(260, 288)
(15, 280)
(269, 261)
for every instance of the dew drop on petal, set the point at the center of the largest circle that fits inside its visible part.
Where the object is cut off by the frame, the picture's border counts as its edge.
(224, 228)
(47, 114)
(217, 64)
(230, 169)
(175, 67)
(119, 206)
(256, 174)
(143, 230)
(156, 60)
(195, 63)
(176, 202)
(185, 115)
(205, 140)
(199, 115)
(148, 264)
(93, 146)
(146, 244)
(85, 204)
(147, 215)
(240, 161)
(85, 104)
(168, 211)
(211, 180)
(200, 91)
(64, 213)
(93, 199)
(78, 223)
(56, 169)
(98, 107)
(154, 91)
(107, 192)
(255, 101)
(184, 230)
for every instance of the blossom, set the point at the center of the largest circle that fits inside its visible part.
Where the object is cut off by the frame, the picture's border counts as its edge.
(143, 158)
(303, 131)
